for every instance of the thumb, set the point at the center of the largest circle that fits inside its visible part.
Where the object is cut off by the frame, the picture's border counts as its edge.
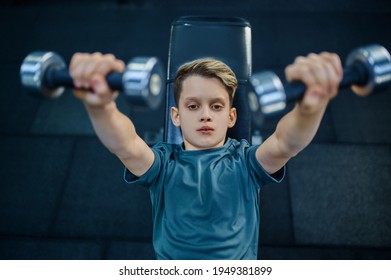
(314, 99)
(79, 94)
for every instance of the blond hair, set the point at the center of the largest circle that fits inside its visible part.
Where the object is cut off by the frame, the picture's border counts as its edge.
(208, 68)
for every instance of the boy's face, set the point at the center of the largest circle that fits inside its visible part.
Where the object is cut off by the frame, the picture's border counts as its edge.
(204, 113)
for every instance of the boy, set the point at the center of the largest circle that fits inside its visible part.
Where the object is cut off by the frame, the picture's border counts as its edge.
(205, 192)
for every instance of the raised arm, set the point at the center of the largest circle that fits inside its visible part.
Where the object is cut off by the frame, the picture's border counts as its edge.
(115, 130)
(321, 74)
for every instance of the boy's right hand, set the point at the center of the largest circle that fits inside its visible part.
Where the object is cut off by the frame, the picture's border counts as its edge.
(89, 73)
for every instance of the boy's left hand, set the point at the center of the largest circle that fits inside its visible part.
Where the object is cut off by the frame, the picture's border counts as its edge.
(321, 73)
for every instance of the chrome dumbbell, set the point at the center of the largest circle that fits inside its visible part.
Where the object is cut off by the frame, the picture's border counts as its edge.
(142, 82)
(367, 67)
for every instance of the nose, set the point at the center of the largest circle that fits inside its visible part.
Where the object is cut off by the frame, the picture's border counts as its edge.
(205, 115)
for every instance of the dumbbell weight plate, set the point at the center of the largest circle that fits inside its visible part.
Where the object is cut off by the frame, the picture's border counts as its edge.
(270, 91)
(267, 96)
(376, 60)
(34, 67)
(143, 82)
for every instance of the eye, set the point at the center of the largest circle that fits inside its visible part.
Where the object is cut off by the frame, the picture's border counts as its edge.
(217, 107)
(192, 107)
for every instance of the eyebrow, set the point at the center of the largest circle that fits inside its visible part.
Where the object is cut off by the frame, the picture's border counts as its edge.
(196, 99)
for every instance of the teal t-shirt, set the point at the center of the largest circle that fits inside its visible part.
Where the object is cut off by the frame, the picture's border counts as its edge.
(205, 203)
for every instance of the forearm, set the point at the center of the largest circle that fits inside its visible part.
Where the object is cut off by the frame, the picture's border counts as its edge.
(115, 130)
(296, 130)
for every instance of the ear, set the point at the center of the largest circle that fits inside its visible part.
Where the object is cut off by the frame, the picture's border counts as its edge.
(174, 113)
(232, 117)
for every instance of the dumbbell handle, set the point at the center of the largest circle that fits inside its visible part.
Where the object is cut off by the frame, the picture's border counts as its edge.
(354, 74)
(61, 78)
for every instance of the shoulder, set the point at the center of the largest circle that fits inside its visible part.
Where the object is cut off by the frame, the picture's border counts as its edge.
(163, 149)
(238, 146)
(163, 146)
(256, 170)
(163, 154)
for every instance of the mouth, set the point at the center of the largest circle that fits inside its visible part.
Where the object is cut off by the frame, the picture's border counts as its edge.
(205, 130)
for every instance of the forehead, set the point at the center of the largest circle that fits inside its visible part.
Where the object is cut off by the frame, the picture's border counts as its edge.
(202, 87)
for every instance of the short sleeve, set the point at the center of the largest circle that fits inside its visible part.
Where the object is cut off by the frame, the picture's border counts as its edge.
(259, 173)
(149, 177)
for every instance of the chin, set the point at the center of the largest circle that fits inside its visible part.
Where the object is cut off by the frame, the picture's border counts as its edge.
(204, 144)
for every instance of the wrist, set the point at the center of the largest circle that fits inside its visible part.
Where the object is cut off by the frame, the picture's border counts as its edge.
(309, 110)
(101, 109)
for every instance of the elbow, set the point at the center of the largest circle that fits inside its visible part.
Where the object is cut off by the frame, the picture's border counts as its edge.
(290, 149)
(130, 148)
(122, 151)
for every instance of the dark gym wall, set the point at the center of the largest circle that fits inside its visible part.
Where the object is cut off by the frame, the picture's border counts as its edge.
(62, 194)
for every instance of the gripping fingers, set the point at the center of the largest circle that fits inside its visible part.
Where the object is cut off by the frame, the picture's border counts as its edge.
(323, 70)
(76, 68)
(319, 70)
(299, 71)
(89, 71)
(334, 70)
(84, 66)
(335, 61)
(99, 93)
(109, 63)
(321, 73)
